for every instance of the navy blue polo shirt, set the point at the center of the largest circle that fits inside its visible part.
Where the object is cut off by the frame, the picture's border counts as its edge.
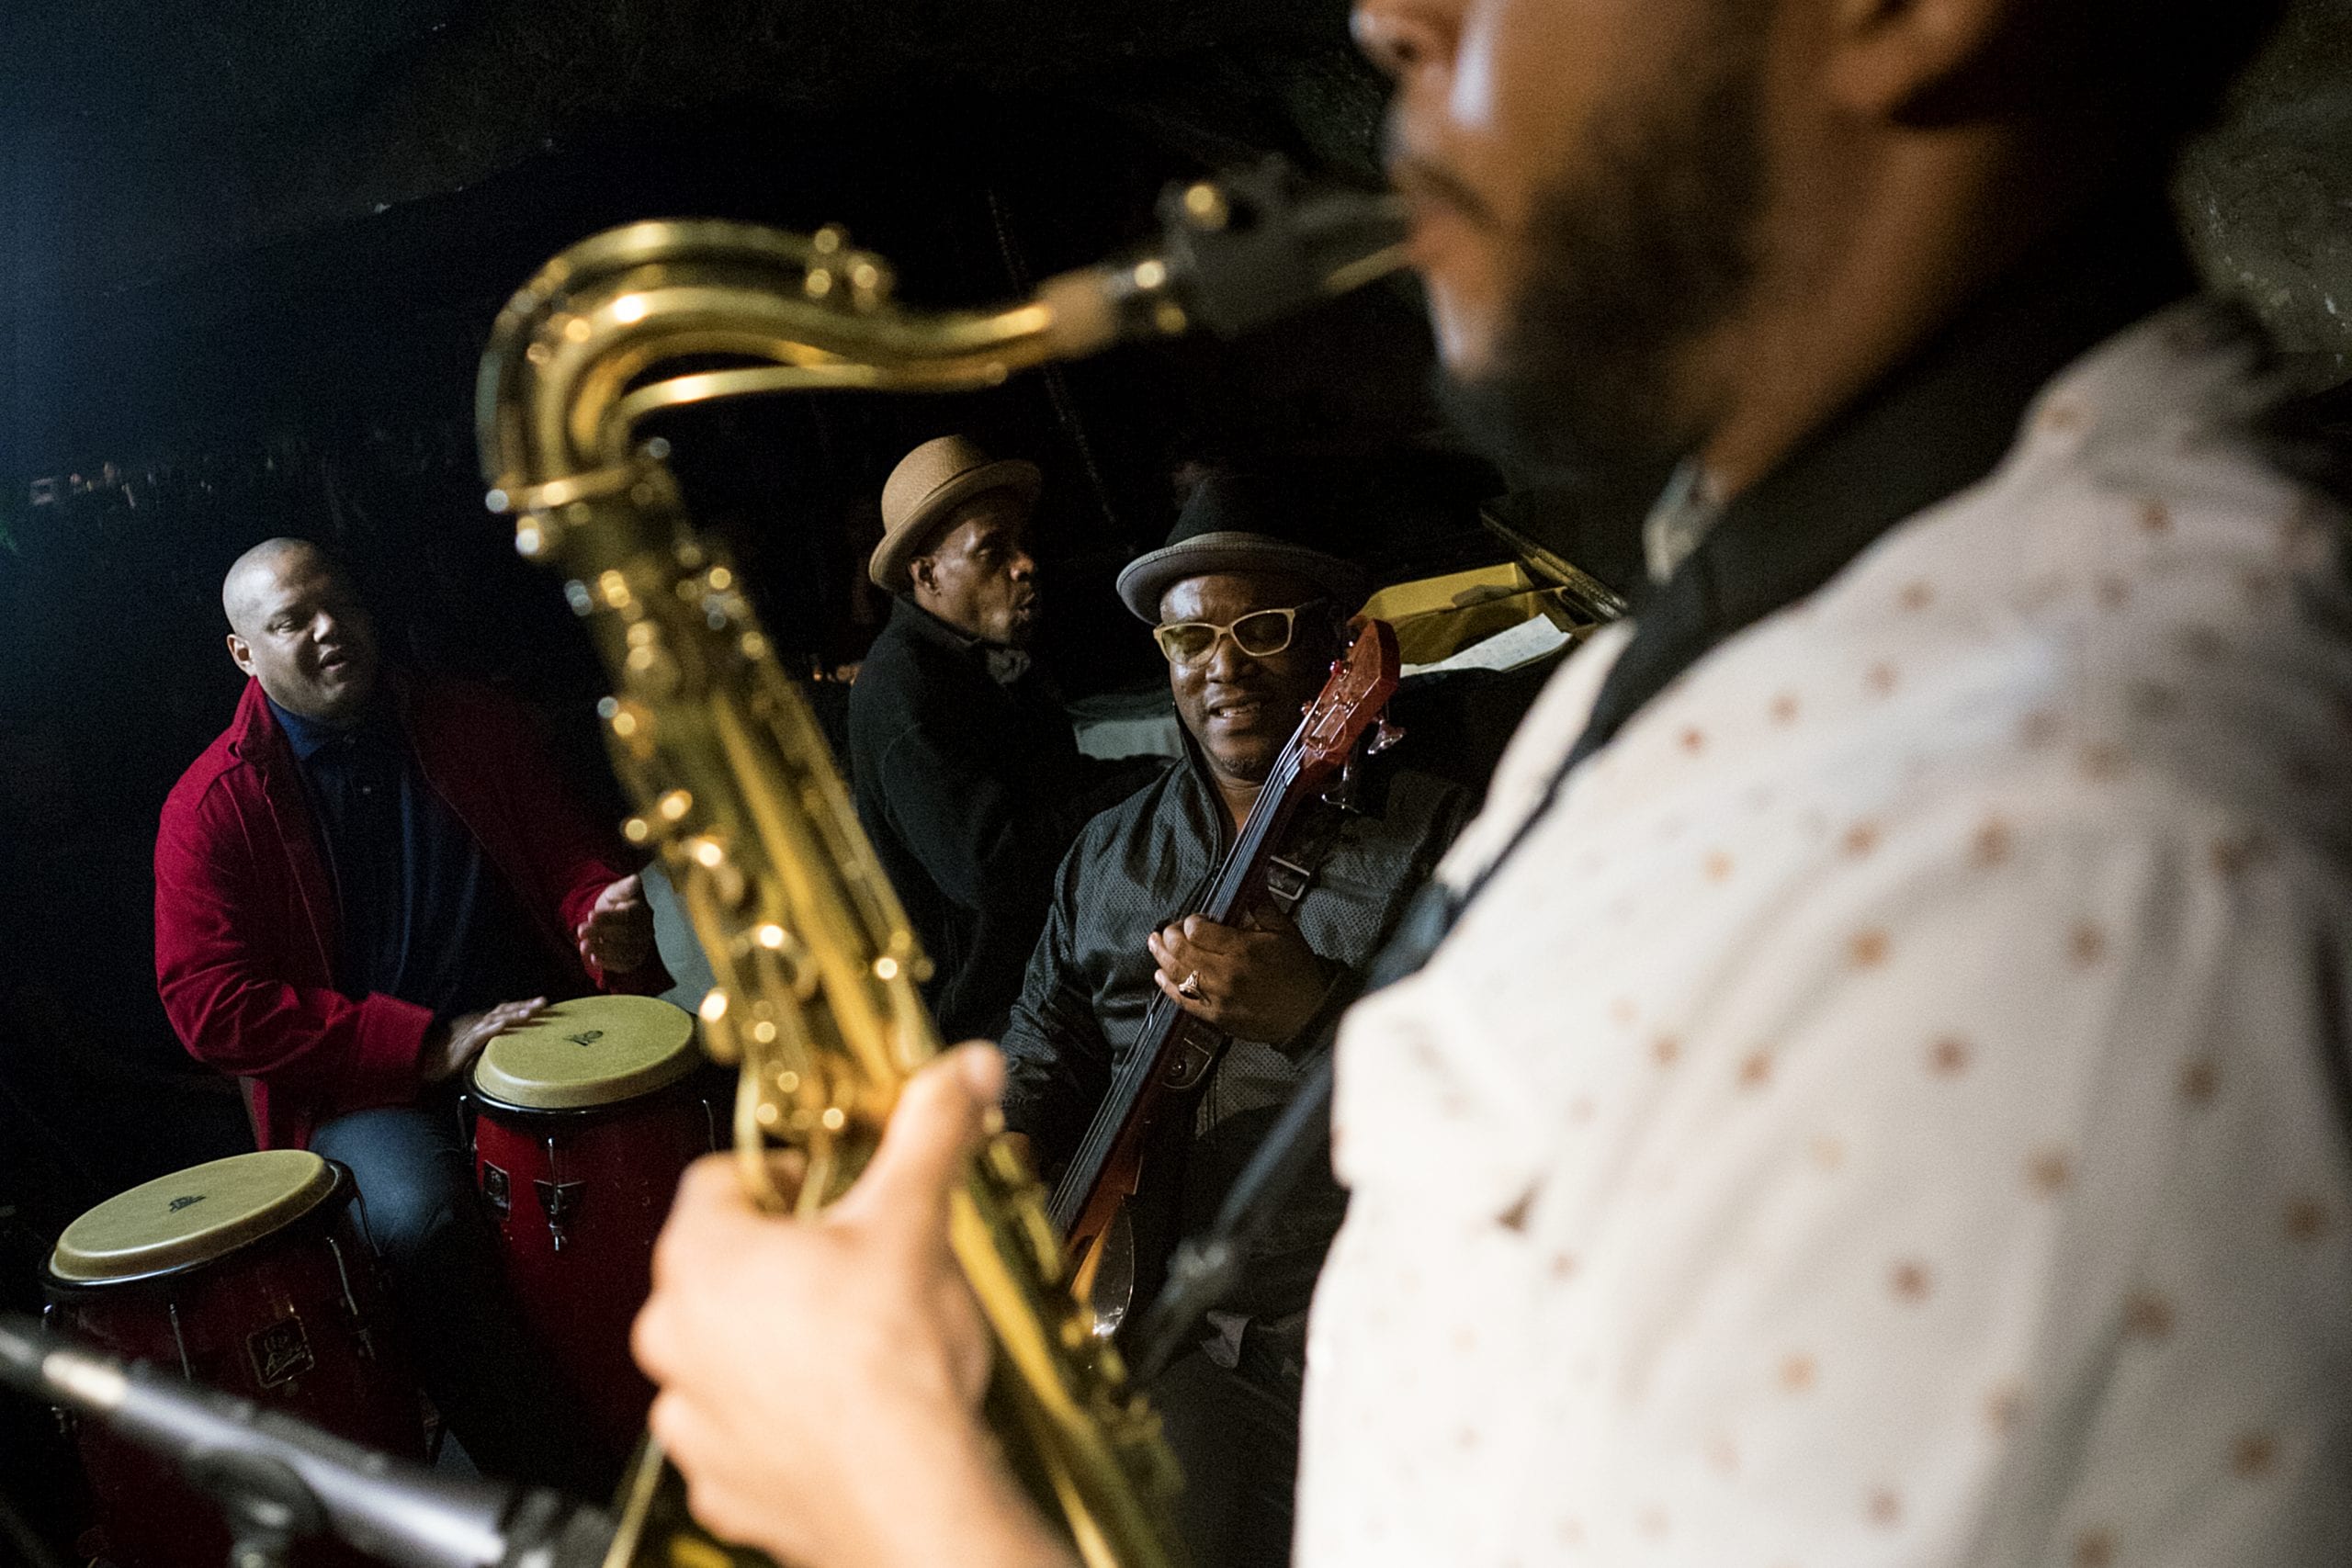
(422, 914)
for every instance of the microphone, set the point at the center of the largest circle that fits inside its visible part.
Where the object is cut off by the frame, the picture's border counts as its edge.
(279, 1478)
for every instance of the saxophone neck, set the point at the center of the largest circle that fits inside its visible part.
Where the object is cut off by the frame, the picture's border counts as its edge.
(580, 357)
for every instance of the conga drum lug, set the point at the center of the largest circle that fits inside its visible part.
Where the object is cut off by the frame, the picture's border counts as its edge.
(355, 1322)
(64, 1416)
(561, 1200)
(179, 1341)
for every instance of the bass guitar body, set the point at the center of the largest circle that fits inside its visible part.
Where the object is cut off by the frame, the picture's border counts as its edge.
(1106, 1242)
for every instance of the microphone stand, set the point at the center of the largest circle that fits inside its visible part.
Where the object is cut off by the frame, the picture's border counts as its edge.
(280, 1480)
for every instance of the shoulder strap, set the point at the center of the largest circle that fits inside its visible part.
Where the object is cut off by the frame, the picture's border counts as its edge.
(1290, 874)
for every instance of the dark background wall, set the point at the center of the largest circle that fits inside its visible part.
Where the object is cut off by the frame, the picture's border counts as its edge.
(250, 253)
(249, 249)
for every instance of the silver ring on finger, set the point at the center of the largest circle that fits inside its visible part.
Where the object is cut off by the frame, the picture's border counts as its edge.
(1191, 989)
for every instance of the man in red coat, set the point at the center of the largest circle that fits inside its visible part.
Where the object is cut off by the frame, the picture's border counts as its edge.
(358, 885)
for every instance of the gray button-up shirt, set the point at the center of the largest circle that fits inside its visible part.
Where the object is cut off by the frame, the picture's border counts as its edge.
(1150, 861)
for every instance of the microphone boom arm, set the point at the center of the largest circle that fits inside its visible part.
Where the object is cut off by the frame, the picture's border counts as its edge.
(279, 1478)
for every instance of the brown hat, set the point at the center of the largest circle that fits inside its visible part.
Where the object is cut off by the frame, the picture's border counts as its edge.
(926, 489)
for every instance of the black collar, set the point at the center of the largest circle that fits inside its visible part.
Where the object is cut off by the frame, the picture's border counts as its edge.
(922, 623)
(1006, 667)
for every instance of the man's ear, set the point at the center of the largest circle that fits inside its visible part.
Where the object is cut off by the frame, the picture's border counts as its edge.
(922, 574)
(240, 653)
(1930, 62)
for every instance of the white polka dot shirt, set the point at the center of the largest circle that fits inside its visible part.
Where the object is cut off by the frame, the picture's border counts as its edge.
(1893, 1108)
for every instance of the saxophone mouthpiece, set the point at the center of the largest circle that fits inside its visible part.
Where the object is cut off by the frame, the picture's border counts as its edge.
(1264, 242)
(1236, 253)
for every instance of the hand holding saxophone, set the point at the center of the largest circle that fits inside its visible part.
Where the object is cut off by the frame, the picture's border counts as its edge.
(792, 1353)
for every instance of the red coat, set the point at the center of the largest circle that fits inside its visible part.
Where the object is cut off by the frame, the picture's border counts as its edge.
(245, 912)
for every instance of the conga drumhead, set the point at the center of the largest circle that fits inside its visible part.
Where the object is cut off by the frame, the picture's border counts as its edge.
(192, 1217)
(594, 1051)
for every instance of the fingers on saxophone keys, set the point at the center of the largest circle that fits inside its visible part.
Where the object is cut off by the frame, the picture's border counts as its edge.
(903, 1191)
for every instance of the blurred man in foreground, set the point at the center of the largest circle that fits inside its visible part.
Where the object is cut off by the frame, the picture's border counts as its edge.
(1875, 1091)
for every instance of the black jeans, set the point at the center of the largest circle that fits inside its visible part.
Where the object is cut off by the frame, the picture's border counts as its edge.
(493, 1381)
(1238, 1442)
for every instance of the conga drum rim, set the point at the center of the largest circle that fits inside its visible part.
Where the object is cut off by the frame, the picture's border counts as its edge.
(153, 1231)
(587, 1055)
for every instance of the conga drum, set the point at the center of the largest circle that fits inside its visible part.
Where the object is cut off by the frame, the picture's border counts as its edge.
(249, 1276)
(584, 1119)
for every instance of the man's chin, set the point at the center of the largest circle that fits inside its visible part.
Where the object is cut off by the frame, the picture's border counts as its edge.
(341, 701)
(1582, 368)
(1247, 750)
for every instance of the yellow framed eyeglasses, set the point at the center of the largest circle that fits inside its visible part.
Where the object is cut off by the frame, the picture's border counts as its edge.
(1261, 634)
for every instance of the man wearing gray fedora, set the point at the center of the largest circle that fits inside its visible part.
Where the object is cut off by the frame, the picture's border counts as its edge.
(966, 773)
(1250, 622)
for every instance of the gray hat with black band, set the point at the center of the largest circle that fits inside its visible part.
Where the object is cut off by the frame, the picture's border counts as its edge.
(1230, 523)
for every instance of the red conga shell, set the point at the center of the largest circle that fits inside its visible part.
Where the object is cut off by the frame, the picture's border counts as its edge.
(584, 1119)
(249, 1275)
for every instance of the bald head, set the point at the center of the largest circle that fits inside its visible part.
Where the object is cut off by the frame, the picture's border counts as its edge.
(296, 626)
(252, 574)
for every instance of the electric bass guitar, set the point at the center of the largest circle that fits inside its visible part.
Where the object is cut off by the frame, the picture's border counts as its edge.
(1176, 1051)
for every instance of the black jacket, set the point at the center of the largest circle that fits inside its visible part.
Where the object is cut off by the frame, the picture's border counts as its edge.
(971, 791)
(1142, 863)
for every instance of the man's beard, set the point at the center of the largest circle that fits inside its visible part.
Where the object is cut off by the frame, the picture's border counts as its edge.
(1643, 250)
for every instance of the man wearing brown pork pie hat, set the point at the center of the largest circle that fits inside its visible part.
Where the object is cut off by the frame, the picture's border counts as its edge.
(967, 775)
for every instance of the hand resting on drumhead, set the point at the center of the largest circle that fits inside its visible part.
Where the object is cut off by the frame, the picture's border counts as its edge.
(618, 936)
(450, 1047)
(820, 1380)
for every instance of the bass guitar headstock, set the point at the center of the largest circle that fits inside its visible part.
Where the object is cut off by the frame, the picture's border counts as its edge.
(1353, 703)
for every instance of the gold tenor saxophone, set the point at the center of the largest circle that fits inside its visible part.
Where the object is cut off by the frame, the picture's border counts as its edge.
(731, 780)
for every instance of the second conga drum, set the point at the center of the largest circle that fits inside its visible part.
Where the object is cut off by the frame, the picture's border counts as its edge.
(246, 1275)
(584, 1119)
